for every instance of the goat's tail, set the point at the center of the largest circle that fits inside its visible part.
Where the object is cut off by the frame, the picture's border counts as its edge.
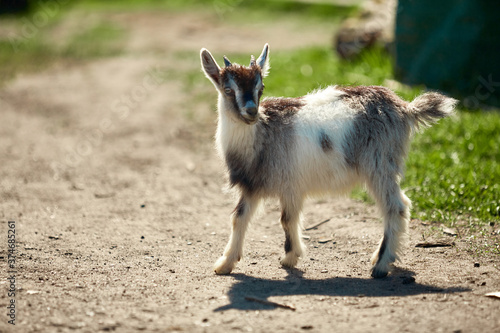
(428, 108)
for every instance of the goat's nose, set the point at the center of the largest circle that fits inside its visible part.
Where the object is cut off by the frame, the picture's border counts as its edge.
(252, 112)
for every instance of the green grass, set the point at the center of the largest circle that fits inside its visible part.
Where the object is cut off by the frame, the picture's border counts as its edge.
(137, 5)
(223, 8)
(297, 73)
(453, 170)
(327, 11)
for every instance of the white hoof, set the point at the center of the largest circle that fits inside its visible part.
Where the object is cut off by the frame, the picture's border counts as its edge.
(224, 266)
(290, 260)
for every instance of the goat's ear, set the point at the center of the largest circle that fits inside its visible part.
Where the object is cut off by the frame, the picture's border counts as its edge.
(210, 67)
(263, 61)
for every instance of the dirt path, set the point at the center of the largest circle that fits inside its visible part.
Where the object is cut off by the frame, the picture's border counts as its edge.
(120, 213)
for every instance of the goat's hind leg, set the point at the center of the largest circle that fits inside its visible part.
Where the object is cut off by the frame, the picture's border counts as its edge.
(234, 249)
(291, 222)
(395, 208)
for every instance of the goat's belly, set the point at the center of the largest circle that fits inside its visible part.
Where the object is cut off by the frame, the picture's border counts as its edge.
(325, 174)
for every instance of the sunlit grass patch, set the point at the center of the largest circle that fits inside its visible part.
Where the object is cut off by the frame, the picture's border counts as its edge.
(297, 73)
(454, 167)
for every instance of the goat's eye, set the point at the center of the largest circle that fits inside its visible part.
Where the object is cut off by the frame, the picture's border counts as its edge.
(228, 91)
(261, 90)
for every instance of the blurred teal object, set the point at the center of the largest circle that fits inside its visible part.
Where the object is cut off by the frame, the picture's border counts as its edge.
(452, 46)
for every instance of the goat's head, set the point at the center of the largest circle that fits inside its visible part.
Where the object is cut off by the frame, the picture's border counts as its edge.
(240, 86)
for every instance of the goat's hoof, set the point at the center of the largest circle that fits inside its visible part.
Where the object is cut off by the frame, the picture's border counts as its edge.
(378, 273)
(290, 260)
(223, 266)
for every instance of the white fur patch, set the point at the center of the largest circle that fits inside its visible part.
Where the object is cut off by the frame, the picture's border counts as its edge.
(324, 113)
(233, 134)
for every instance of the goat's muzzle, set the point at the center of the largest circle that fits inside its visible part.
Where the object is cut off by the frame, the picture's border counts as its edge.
(249, 113)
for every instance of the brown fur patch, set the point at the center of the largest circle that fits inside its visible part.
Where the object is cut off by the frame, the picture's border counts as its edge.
(290, 104)
(243, 76)
(281, 109)
(371, 99)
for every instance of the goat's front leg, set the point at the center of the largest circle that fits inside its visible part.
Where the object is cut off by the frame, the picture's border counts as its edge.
(234, 249)
(291, 222)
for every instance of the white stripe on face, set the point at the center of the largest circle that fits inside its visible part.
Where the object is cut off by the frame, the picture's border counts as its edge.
(245, 99)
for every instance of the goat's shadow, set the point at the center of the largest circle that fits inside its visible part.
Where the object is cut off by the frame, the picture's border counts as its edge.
(399, 283)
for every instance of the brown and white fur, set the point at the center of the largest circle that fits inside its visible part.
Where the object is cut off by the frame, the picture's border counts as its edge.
(324, 142)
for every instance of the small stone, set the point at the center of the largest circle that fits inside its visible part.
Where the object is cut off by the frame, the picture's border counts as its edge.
(190, 166)
(142, 206)
(325, 240)
(450, 231)
(324, 271)
(56, 322)
(104, 195)
(476, 264)
(307, 327)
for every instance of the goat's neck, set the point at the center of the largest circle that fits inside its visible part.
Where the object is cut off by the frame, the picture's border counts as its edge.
(233, 135)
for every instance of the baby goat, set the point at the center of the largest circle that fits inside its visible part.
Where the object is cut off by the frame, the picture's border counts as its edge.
(326, 141)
